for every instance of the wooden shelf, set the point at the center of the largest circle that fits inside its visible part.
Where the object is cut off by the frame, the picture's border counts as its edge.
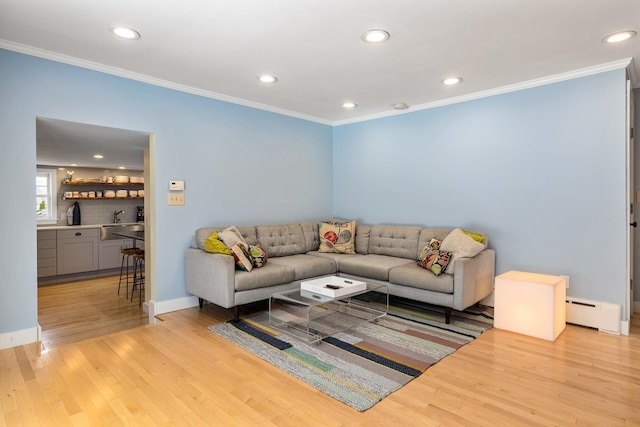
(102, 198)
(104, 184)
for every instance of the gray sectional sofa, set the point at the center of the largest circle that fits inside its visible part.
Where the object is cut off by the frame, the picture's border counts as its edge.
(384, 254)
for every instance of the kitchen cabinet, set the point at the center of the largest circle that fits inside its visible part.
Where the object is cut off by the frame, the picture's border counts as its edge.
(109, 253)
(47, 254)
(77, 250)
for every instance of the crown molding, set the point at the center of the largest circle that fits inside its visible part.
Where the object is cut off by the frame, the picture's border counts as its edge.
(58, 57)
(582, 72)
(107, 69)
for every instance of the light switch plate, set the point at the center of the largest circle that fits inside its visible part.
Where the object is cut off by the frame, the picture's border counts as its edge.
(176, 185)
(176, 199)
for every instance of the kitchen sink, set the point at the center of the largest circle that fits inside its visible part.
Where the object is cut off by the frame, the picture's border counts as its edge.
(106, 231)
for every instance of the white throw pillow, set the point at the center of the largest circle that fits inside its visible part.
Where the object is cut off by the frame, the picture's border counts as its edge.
(460, 245)
(230, 236)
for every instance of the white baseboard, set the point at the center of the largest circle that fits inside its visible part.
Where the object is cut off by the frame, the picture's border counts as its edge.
(624, 327)
(16, 338)
(161, 307)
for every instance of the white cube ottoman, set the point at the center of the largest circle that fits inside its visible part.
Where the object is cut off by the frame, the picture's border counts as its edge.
(530, 304)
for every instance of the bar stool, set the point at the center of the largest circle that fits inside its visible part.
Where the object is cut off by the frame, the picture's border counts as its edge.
(138, 276)
(126, 254)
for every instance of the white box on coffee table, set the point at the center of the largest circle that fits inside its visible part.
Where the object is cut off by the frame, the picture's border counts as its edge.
(345, 286)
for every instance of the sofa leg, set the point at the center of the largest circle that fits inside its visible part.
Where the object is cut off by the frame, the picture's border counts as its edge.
(200, 302)
(236, 315)
(447, 315)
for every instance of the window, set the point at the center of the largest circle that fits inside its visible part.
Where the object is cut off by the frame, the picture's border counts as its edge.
(46, 190)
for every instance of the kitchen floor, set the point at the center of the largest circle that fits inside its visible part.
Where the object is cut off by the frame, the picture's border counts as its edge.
(85, 309)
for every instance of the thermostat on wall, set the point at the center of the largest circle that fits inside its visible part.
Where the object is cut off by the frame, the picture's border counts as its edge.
(176, 185)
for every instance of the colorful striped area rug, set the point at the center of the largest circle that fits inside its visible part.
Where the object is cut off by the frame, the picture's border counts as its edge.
(362, 365)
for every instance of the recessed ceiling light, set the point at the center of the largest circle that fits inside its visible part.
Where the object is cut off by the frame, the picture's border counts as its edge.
(125, 32)
(98, 156)
(450, 81)
(375, 36)
(74, 164)
(620, 36)
(400, 106)
(349, 105)
(121, 167)
(268, 78)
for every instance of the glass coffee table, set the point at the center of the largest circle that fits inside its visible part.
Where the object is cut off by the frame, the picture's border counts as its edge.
(313, 316)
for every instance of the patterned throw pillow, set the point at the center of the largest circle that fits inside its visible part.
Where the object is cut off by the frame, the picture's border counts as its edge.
(337, 238)
(433, 259)
(242, 256)
(434, 244)
(258, 255)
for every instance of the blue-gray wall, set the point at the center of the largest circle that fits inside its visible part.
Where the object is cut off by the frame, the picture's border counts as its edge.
(240, 165)
(540, 171)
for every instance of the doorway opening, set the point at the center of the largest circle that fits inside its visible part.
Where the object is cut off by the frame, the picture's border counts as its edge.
(107, 174)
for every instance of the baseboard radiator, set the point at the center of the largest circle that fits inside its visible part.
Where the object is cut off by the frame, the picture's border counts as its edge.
(603, 316)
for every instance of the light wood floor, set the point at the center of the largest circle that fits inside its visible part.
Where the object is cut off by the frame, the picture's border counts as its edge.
(176, 372)
(76, 311)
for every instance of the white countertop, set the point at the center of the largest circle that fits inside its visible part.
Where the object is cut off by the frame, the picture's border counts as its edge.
(68, 227)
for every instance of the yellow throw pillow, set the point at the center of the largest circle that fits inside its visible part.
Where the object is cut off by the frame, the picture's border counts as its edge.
(477, 237)
(215, 246)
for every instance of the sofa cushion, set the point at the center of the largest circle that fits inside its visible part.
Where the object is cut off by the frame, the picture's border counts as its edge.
(202, 234)
(394, 240)
(460, 245)
(249, 234)
(337, 258)
(270, 275)
(416, 277)
(281, 240)
(427, 234)
(337, 237)
(311, 238)
(363, 233)
(307, 266)
(371, 266)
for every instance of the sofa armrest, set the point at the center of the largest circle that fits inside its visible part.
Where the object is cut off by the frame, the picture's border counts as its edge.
(210, 276)
(473, 279)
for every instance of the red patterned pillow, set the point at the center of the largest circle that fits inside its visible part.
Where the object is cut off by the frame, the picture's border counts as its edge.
(337, 238)
(434, 260)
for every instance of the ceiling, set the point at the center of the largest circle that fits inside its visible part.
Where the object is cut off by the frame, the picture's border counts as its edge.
(218, 48)
(69, 144)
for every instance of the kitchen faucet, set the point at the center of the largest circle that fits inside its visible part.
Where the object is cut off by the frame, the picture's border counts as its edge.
(116, 219)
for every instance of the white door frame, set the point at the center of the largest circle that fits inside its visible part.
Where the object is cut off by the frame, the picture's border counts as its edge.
(631, 202)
